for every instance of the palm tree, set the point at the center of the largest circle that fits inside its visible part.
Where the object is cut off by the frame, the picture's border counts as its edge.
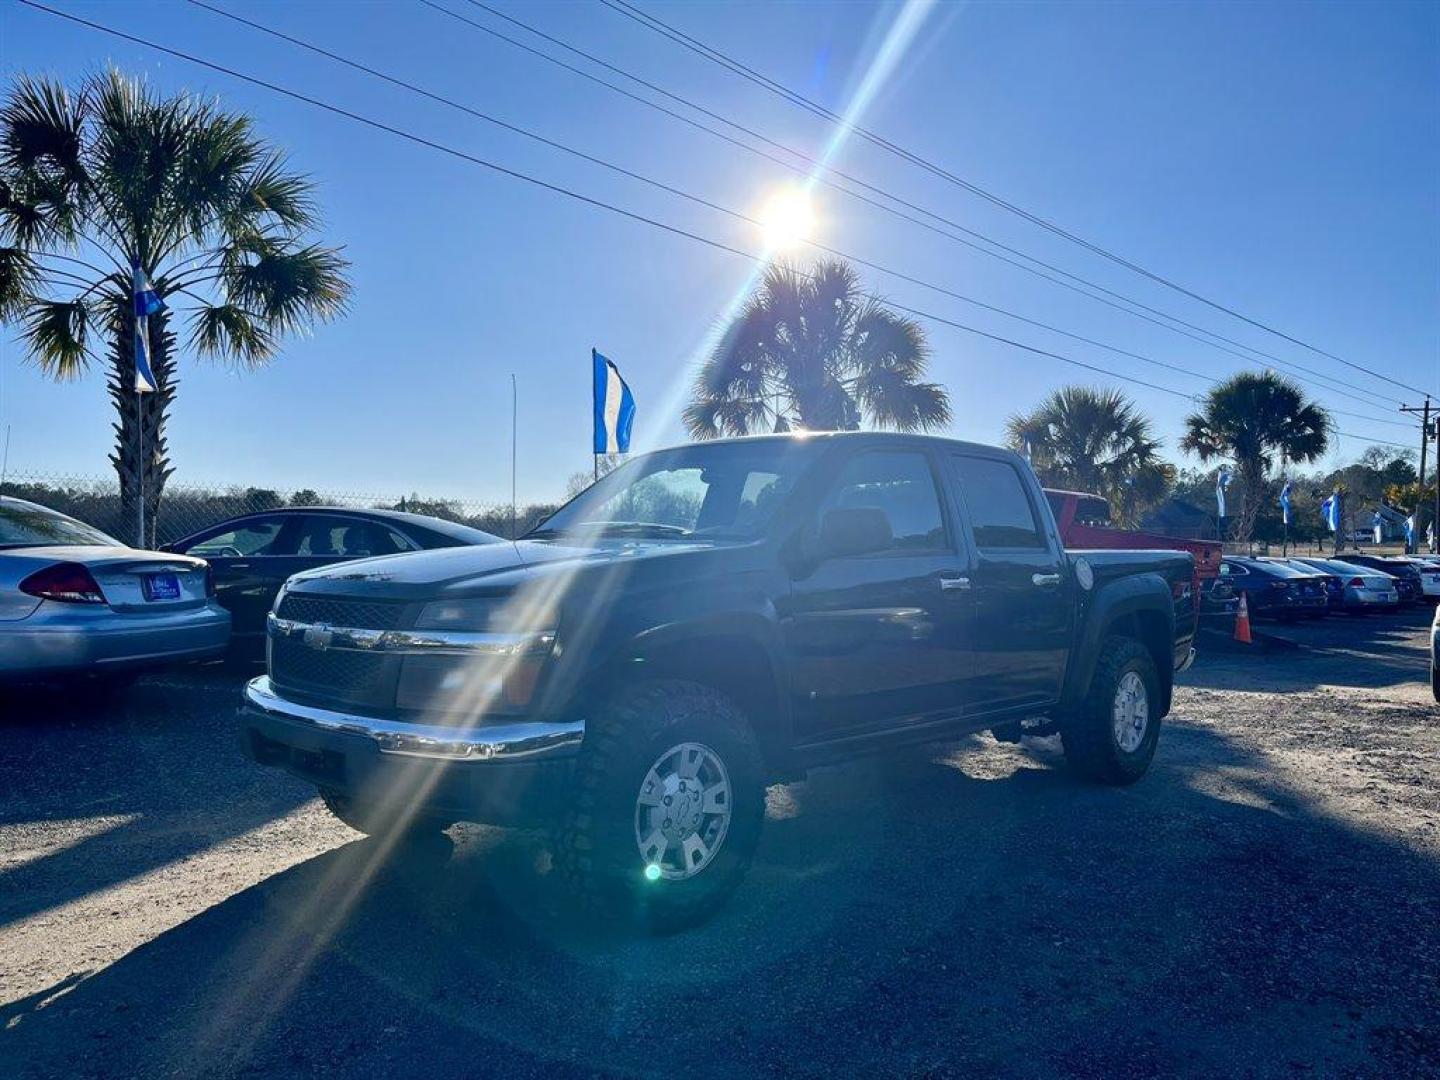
(811, 350)
(1251, 418)
(116, 176)
(1095, 440)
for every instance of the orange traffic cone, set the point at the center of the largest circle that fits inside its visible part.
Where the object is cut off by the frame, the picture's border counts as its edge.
(1242, 622)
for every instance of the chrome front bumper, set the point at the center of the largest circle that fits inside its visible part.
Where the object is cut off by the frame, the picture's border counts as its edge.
(520, 740)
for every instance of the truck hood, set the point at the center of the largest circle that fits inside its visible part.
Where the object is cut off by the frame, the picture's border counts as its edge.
(426, 574)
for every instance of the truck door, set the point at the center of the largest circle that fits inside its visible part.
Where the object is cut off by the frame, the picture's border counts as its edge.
(1021, 588)
(879, 637)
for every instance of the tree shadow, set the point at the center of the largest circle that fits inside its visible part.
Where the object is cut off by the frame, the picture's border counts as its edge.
(1367, 651)
(125, 785)
(971, 910)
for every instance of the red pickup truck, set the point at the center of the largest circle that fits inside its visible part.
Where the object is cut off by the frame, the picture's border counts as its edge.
(1084, 521)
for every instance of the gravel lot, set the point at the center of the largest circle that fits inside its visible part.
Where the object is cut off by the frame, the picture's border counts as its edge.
(1266, 902)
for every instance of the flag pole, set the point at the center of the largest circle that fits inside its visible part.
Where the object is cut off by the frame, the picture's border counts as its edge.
(140, 433)
(514, 415)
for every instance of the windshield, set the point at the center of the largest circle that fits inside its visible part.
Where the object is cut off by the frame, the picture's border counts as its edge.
(26, 525)
(717, 491)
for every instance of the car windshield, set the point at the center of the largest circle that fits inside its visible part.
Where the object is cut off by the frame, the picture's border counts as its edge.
(717, 491)
(27, 525)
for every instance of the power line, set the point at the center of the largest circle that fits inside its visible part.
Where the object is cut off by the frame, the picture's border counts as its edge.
(658, 26)
(578, 196)
(527, 133)
(819, 169)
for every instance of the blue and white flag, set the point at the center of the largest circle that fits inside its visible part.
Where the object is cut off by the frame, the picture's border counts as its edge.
(1285, 502)
(1222, 481)
(1330, 511)
(1410, 531)
(147, 303)
(614, 408)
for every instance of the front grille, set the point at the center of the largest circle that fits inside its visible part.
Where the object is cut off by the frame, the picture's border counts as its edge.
(340, 611)
(333, 676)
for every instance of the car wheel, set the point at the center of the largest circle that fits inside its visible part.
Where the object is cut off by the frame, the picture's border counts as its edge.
(1111, 738)
(1435, 680)
(384, 821)
(668, 801)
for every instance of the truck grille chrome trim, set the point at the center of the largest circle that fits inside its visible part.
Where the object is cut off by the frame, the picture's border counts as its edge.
(461, 642)
(522, 739)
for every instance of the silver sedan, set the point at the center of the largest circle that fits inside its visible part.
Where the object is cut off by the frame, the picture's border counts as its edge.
(76, 603)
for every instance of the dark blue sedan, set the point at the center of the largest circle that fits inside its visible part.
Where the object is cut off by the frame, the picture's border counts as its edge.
(1275, 589)
(251, 556)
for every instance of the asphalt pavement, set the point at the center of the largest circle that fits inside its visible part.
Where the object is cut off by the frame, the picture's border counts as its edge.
(1265, 902)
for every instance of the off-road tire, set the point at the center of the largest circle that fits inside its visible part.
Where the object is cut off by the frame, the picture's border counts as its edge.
(1088, 734)
(380, 821)
(596, 854)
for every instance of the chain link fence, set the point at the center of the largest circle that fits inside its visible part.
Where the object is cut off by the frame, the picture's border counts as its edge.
(188, 508)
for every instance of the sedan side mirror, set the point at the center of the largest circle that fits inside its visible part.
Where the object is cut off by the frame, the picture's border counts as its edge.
(858, 530)
(168, 549)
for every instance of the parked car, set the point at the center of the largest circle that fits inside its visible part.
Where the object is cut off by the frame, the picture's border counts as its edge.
(1361, 589)
(1273, 589)
(1334, 588)
(251, 556)
(1406, 574)
(704, 621)
(1435, 655)
(78, 605)
(1429, 575)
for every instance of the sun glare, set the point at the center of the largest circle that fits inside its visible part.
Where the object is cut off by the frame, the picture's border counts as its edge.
(788, 219)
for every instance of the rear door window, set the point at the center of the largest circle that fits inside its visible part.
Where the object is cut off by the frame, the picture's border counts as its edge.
(334, 537)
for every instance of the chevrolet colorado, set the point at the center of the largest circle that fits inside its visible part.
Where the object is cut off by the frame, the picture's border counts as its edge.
(700, 623)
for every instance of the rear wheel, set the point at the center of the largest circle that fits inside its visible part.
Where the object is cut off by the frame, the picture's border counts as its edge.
(1111, 738)
(1435, 680)
(668, 802)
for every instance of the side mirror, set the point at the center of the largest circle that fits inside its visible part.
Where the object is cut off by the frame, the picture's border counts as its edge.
(853, 531)
(167, 549)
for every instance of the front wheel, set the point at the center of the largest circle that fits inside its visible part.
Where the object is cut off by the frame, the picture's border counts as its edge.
(1435, 680)
(668, 802)
(1111, 738)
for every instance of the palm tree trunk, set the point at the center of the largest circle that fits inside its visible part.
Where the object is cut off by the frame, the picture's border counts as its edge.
(137, 413)
(1252, 475)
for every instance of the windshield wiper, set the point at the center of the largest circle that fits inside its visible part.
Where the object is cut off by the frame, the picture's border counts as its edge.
(639, 529)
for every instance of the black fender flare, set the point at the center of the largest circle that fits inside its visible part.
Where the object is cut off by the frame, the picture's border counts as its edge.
(698, 640)
(1132, 595)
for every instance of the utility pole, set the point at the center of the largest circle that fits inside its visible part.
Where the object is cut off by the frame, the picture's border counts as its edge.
(1425, 433)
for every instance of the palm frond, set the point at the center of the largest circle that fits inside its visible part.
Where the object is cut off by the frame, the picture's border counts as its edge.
(56, 334)
(290, 287)
(232, 334)
(19, 280)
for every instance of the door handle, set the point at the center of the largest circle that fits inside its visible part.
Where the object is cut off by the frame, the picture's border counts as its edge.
(239, 566)
(948, 583)
(1045, 580)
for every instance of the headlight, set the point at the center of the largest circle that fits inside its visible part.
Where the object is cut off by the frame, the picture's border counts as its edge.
(488, 615)
(487, 657)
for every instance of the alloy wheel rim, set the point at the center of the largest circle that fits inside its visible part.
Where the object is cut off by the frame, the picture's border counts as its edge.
(682, 812)
(1130, 712)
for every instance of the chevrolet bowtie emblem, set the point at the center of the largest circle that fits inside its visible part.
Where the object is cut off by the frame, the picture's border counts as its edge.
(319, 636)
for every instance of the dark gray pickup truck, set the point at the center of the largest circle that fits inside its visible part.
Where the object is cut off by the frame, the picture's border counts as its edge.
(705, 621)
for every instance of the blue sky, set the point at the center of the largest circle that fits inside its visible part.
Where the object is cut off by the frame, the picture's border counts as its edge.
(1281, 158)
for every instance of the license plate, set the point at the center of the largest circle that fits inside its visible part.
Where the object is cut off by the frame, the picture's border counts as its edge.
(161, 587)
